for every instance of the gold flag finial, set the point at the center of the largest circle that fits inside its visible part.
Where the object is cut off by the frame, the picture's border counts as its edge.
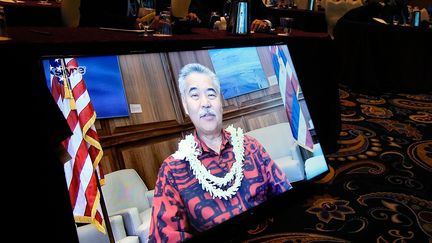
(67, 86)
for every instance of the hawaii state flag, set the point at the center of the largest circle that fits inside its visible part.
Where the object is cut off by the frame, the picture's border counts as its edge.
(290, 90)
(70, 92)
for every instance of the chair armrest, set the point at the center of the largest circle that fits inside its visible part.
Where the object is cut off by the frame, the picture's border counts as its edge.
(89, 234)
(150, 196)
(117, 226)
(131, 219)
(129, 239)
(296, 153)
(315, 166)
(143, 231)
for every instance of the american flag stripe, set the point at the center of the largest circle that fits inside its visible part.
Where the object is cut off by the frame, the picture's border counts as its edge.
(91, 196)
(80, 159)
(83, 146)
(56, 89)
(72, 119)
(78, 92)
(85, 115)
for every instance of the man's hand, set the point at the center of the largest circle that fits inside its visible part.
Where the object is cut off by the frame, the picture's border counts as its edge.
(260, 25)
(192, 17)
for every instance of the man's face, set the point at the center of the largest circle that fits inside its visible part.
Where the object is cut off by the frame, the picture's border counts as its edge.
(202, 103)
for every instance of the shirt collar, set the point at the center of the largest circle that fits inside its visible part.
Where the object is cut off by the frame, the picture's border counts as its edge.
(201, 144)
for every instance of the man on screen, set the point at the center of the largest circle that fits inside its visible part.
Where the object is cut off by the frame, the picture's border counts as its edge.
(216, 173)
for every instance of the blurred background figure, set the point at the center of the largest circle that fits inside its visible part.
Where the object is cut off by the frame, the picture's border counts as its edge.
(335, 9)
(70, 12)
(127, 14)
(387, 10)
(115, 13)
(398, 8)
(200, 12)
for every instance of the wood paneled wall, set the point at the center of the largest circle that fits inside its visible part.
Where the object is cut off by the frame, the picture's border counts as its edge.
(143, 140)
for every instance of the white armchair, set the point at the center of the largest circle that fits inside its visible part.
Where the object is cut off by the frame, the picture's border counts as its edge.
(279, 142)
(89, 234)
(316, 164)
(126, 194)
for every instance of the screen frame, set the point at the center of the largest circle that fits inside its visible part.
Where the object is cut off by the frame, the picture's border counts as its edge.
(301, 189)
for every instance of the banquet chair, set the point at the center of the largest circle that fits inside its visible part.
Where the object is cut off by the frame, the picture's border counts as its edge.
(334, 10)
(278, 141)
(89, 234)
(126, 194)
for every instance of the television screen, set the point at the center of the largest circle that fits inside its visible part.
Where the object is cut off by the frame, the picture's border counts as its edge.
(291, 142)
(102, 77)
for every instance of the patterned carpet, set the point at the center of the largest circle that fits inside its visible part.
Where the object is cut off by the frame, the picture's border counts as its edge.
(379, 188)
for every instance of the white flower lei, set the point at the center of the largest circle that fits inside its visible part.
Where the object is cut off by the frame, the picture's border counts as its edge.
(188, 149)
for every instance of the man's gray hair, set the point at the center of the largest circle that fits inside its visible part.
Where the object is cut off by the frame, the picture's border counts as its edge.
(196, 68)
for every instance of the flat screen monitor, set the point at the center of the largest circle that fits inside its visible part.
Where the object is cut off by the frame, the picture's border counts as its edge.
(311, 5)
(242, 71)
(417, 18)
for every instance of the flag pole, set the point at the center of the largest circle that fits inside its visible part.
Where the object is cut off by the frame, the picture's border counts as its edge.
(104, 210)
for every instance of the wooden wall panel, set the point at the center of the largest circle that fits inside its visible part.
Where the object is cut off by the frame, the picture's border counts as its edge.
(146, 83)
(265, 118)
(147, 158)
(98, 125)
(107, 162)
(110, 161)
(266, 60)
(236, 122)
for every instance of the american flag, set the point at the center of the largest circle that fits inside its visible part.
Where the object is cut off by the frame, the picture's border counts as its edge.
(290, 90)
(69, 91)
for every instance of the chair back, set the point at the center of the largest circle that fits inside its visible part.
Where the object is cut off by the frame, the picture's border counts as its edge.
(276, 139)
(124, 189)
(334, 10)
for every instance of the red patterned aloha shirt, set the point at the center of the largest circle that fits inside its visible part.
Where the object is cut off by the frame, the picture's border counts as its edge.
(180, 204)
